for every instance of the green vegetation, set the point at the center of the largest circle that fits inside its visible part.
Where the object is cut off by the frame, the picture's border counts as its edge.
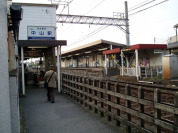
(154, 79)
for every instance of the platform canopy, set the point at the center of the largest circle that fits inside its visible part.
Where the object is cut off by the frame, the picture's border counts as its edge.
(36, 48)
(41, 43)
(95, 47)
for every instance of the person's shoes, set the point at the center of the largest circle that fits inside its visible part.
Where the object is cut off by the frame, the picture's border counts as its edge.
(52, 101)
(48, 99)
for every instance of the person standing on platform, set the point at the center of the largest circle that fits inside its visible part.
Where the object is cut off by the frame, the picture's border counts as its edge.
(51, 78)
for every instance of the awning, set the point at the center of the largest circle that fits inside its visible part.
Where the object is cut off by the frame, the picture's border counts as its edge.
(113, 51)
(148, 46)
(92, 48)
(41, 43)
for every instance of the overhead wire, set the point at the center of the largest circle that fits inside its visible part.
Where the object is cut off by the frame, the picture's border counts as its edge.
(148, 8)
(141, 5)
(95, 7)
(94, 32)
(66, 6)
(132, 9)
(89, 35)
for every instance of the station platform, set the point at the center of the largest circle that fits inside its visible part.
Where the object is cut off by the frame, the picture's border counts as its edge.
(63, 116)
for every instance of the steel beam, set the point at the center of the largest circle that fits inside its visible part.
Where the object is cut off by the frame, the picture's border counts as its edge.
(91, 20)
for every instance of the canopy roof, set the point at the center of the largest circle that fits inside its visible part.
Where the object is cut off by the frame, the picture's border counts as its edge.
(41, 43)
(95, 47)
(148, 46)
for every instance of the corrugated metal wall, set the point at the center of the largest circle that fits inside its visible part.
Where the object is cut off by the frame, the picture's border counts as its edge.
(36, 16)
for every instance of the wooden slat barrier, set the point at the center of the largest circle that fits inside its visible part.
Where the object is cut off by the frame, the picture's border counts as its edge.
(139, 107)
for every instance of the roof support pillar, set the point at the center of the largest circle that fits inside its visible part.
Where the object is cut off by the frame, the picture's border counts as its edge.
(106, 69)
(127, 59)
(122, 63)
(72, 62)
(86, 61)
(58, 70)
(22, 63)
(96, 61)
(136, 67)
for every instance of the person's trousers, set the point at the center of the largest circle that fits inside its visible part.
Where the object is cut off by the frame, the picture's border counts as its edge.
(50, 94)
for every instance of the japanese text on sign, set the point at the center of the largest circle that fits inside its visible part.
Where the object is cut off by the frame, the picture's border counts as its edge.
(41, 32)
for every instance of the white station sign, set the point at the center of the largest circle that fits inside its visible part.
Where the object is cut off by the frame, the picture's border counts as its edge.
(41, 32)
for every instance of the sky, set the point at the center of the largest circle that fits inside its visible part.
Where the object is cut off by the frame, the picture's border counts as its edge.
(154, 25)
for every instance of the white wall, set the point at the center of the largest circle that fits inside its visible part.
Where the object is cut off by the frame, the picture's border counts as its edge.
(36, 16)
(154, 59)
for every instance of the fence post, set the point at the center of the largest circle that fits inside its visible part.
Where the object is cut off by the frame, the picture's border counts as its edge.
(145, 72)
(157, 112)
(151, 73)
(117, 90)
(175, 115)
(100, 84)
(141, 106)
(128, 105)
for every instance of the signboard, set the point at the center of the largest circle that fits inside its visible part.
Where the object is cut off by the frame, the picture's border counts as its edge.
(33, 54)
(40, 32)
(158, 51)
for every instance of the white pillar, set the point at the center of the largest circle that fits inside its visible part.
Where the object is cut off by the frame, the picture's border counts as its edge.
(65, 62)
(136, 65)
(22, 64)
(72, 62)
(58, 69)
(122, 62)
(106, 64)
(127, 64)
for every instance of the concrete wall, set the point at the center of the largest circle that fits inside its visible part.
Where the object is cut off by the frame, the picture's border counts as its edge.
(5, 113)
(36, 16)
(14, 102)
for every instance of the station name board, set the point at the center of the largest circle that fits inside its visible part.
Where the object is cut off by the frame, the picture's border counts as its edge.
(40, 32)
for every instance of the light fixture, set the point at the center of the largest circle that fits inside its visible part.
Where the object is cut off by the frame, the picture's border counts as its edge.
(87, 52)
(102, 49)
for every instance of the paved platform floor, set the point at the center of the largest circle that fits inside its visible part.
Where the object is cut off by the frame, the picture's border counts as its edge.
(63, 116)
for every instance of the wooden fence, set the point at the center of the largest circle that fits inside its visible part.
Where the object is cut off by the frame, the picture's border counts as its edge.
(145, 108)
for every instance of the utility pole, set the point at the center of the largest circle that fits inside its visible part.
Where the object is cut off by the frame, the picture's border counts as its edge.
(127, 25)
(176, 26)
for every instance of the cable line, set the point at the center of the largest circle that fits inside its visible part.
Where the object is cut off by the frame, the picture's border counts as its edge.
(90, 34)
(142, 5)
(147, 8)
(138, 4)
(95, 7)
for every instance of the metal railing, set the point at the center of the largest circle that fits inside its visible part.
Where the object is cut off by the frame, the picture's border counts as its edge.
(130, 71)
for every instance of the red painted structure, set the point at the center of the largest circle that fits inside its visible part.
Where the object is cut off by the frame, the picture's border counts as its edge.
(117, 50)
(138, 46)
(148, 46)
